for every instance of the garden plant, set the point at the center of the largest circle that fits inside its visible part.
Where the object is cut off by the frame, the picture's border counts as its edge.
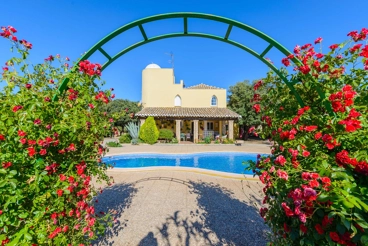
(316, 180)
(50, 149)
(149, 132)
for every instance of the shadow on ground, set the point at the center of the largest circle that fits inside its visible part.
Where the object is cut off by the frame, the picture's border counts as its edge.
(234, 222)
(220, 219)
(115, 199)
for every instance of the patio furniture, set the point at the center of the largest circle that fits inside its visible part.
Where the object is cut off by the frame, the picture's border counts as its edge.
(182, 136)
(188, 136)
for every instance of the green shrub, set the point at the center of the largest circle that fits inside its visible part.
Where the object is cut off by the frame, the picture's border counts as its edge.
(207, 140)
(166, 134)
(125, 138)
(217, 141)
(174, 141)
(113, 144)
(316, 179)
(149, 133)
(135, 141)
(49, 151)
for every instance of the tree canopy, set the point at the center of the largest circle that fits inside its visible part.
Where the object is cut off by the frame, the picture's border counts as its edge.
(241, 101)
(126, 110)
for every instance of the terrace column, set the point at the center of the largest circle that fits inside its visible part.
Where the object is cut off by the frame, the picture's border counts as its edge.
(177, 132)
(220, 127)
(231, 129)
(205, 125)
(195, 132)
(142, 121)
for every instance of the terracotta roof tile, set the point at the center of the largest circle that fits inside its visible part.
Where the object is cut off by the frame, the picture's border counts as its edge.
(179, 112)
(203, 86)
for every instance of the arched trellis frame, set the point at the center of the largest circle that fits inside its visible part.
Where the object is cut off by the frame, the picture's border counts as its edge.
(98, 47)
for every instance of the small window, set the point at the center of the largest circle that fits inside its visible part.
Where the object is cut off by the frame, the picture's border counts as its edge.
(214, 101)
(177, 101)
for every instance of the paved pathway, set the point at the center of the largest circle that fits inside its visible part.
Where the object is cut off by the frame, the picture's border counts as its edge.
(180, 207)
(254, 147)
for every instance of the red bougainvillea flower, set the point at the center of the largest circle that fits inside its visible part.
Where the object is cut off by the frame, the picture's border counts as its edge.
(257, 108)
(319, 229)
(303, 228)
(89, 68)
(287, 210)
(62, 177)
(313, 183)
(304, 69)
(71, 147)
(2, 137)
(334, 236)
(101, 96)
(91, 106)
(43, 152)
(31, 151)
(26, 44)
(37, 122)
(49, 58)
(306, 153)
(318, 40)
(310, 128)
(285, 61)
(6, 164)
(282, 174)
(23, 141)
(257, 85)
(59, 192)
(326, 221)
(280, 160)
(16, 108)
(319, 55)
(364, 52)
(55, 232)
(318, 135)
(351, 123)
(286, 228)
(51, 168)
(334, 46)
(28, 86)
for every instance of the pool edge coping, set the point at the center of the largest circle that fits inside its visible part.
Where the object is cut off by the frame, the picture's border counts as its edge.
(188, 169)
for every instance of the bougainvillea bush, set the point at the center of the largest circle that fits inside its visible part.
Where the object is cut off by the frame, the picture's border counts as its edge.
(49, 150)
(316, 180)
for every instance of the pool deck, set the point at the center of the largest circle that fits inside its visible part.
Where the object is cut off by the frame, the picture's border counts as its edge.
(170, 206)
(251, 147)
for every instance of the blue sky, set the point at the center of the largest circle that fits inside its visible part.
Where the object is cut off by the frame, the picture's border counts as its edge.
(71, 27)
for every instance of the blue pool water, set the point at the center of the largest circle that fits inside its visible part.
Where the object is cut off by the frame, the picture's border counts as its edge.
(231, 162)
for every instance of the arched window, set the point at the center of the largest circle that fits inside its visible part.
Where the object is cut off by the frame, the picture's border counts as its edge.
(214, 101)
(177, 101)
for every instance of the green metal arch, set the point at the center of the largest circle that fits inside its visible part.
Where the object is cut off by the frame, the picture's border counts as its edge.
(185, 16)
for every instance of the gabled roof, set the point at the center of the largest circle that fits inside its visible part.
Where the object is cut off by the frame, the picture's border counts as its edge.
(203, 86)
(188, 113)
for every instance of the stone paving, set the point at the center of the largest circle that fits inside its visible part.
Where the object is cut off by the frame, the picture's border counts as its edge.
(180, 207)
(252, 146)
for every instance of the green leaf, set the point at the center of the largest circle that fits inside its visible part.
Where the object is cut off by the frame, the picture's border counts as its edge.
(364, 205)
(364, 240)
(23, 215)
(346, 223)
(28, 236)
(13, 172)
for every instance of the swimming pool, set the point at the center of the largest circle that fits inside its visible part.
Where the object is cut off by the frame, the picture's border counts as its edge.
(231, 162)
